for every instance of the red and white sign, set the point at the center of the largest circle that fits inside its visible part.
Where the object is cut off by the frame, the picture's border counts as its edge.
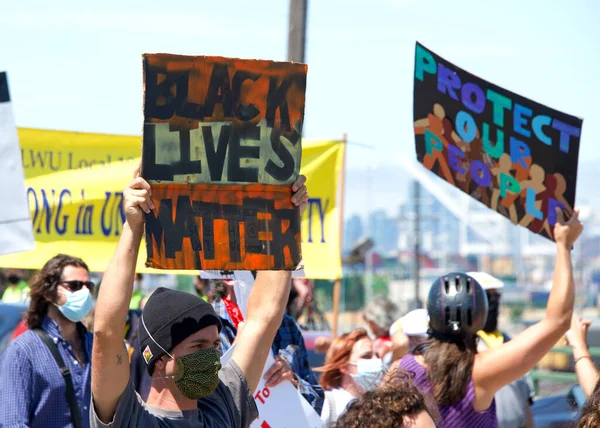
(281, 406)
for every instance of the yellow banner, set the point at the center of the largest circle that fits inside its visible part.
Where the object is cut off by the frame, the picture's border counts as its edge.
(47, 152)
(74, 185)
(322, 163)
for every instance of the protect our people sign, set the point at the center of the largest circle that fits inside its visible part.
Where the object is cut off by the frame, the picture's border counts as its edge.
(514, 155)
(281, 406)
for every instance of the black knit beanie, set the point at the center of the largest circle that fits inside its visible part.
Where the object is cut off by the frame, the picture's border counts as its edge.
(171, 316)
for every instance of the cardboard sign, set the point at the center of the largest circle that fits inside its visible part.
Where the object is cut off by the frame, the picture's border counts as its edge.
(514, 155)
(221, 149)
(281, 406)
(16, 232)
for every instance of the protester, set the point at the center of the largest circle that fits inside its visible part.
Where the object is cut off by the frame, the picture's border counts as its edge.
(179, 336)
(513, 401)
(351, 368)
(586, 370)
(289, 349)
(379, 315)
(225, 301)
(399, 405)
(140, 378)
(202, 288)
(138, 292)
(408, 332)
(34, 392)
(463, 382)
(17, 290)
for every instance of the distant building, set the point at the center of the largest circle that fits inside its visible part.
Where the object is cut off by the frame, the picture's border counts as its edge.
(353, 231)
(383, 230)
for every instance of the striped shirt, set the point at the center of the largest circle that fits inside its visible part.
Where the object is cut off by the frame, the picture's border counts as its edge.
(460, 414)
(32, 389)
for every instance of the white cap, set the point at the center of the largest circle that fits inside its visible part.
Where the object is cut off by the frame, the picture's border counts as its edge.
(486, 280)
(414, 323)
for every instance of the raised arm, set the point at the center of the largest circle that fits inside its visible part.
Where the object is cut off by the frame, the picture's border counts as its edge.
(110, 366)
(266, 306)
(500, 366)
(587, 372)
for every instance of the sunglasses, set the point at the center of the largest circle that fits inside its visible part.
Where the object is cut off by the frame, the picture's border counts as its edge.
(76, 285)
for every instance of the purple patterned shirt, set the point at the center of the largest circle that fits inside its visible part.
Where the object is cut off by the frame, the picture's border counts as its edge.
(460, 414)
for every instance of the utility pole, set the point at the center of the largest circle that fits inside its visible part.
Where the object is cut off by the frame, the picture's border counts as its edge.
(297, 30)
(417, 237)
(371, 235)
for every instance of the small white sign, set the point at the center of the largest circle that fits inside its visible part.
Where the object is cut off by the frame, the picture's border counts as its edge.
(16, 229)
(281, 406)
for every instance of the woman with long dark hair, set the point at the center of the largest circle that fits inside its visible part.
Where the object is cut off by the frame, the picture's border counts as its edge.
(448, 366)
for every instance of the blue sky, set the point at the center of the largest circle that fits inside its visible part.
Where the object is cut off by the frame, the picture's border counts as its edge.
(76, 66)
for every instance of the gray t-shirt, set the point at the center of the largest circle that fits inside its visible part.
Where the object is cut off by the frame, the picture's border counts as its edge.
(512, 400)
(231, 405)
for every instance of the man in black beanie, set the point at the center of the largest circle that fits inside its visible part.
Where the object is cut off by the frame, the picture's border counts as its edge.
(179, 337)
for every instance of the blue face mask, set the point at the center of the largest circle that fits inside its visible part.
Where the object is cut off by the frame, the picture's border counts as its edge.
(370, 373)
(78, 304)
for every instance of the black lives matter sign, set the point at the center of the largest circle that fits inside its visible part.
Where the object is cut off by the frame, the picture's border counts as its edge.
(222, 147)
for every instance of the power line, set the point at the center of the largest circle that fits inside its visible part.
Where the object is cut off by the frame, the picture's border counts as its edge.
(366, 146)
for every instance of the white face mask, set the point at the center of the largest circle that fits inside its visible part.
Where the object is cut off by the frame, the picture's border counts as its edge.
(369, 373)
(78, 304)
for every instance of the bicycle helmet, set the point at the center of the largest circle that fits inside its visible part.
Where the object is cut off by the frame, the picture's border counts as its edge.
(457, 305)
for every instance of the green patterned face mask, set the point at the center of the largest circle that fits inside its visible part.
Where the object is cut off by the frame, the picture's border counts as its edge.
(197, 375)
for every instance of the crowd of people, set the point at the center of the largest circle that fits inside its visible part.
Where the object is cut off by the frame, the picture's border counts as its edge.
(137, 361)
